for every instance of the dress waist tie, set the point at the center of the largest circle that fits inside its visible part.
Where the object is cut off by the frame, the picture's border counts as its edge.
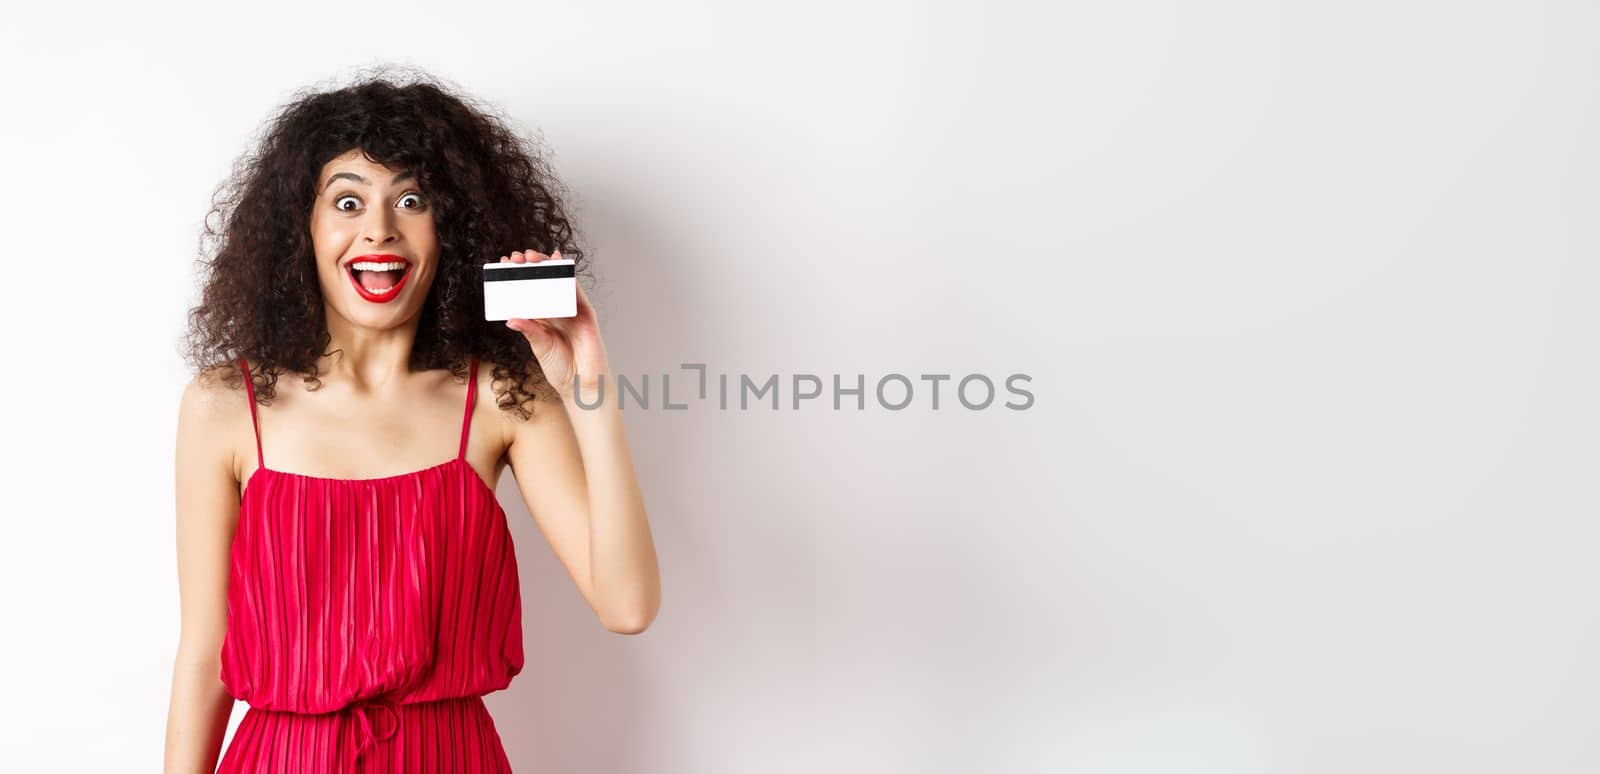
(365, 725)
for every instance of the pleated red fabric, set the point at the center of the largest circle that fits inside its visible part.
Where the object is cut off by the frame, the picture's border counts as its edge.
(367, 618)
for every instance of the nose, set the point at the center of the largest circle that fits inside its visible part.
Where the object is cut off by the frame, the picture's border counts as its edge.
(378, 227)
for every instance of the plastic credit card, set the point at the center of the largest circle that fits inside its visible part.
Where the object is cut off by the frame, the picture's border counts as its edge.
(532, 290)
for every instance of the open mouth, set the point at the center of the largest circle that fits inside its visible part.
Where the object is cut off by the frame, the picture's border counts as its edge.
(378, 279)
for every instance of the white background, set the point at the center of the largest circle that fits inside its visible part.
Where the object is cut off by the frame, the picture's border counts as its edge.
(1306, 292)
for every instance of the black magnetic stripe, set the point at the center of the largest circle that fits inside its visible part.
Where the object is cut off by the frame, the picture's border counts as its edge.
(534, 271)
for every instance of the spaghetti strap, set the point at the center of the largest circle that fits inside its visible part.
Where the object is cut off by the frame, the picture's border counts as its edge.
(250, 388)
(466, 419)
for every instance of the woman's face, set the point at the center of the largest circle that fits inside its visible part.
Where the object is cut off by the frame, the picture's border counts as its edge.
(373, 233)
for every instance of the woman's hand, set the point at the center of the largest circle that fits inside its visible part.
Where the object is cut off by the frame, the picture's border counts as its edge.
(564, 346)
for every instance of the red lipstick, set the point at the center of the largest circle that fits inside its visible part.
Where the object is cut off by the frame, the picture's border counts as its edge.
(387, 295)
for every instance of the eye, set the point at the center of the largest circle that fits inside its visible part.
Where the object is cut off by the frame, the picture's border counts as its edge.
(417, 197)
(337, 203)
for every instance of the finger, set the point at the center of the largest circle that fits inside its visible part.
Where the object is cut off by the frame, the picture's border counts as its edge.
(558, 324)
(540, 338)
(551, 339)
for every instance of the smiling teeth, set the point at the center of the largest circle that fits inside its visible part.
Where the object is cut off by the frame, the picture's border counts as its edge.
(371, 266)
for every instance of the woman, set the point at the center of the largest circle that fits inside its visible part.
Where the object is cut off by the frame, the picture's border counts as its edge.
(362, 603)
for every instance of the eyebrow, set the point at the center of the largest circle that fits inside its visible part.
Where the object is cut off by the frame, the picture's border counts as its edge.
(406, 175)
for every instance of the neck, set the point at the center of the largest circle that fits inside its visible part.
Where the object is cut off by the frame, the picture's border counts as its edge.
(367, 358)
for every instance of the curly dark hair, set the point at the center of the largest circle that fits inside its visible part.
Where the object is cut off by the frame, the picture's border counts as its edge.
(492, 192)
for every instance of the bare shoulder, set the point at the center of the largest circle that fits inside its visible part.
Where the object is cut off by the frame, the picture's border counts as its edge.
(213, 404)
(215, 394)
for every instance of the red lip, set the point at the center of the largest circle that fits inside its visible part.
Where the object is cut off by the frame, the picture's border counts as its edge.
(377, 298)
(383, 257)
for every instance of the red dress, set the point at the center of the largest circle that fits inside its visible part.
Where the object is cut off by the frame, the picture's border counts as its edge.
(366, 618)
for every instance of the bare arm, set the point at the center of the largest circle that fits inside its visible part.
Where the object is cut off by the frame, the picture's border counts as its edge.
(207, 511)
(575, 473)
